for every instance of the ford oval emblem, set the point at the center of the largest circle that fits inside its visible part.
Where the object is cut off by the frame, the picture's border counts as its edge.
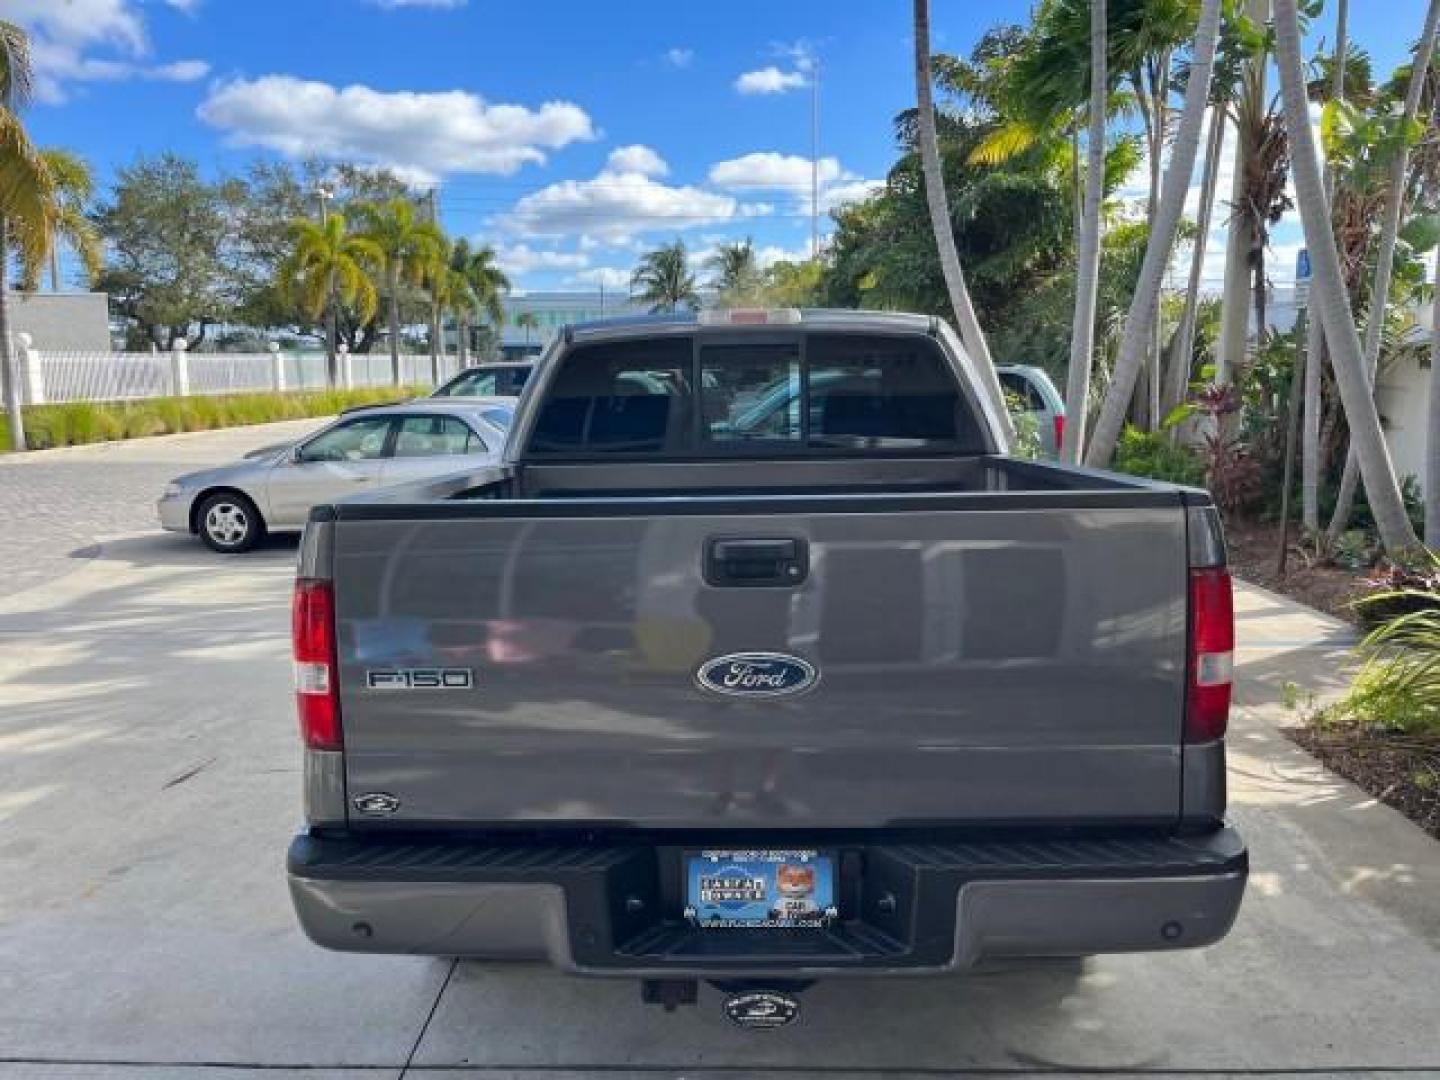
(757, 674)
(762, 1010)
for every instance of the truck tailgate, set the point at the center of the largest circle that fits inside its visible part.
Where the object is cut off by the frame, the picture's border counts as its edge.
(1012, 664)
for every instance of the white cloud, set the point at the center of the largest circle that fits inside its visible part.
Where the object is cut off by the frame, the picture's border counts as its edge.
(770, 171)
(637, 159)
(77, 41)
(790, 173)
(524, 259)
(608, 277)
(426, 133)
(848, 192)
(179, 71)
(770, 80)
(615, 205)
(770, 254)
(679, 57)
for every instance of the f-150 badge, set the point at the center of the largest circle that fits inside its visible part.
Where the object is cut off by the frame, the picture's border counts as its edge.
(419, 679)
(757, 674)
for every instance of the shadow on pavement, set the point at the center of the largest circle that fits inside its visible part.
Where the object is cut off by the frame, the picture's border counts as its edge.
(166, 549)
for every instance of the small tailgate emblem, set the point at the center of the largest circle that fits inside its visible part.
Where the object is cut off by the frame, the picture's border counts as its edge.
(377, 804)
(757, 674)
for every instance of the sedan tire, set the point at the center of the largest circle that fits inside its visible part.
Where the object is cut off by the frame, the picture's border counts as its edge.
(229, 523)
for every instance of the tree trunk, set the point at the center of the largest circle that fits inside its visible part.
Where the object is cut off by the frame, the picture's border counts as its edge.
(332, 316)
(971, 336)
(1287, 474)
(463, 348)
(1087, 273)
(1315, 329)
(1257, 293)
(1432, 426)
(1185, 335)
(435, 320)
(8, 368)
(1329, 300)
(1235, 305)
(393, 279)
(1385, 257)
(1152, 386)
(1162, 239)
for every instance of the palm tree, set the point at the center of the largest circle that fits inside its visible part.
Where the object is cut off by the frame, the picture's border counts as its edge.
(27, 203)
(971, 336)
(1329, 300)
(460, 303)
(407, 244)
(1249, 103)
(330, 268)
(488, 284)
(1161, 240)
(449, 291)
(664, 280)
(74, 187)
(527, 321)
(1385, 256)
(737, 272)
(1087, 274)
(1231, 54)
(1315, 329)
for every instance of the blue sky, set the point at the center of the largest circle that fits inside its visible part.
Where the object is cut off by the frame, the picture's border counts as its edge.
(568, 134)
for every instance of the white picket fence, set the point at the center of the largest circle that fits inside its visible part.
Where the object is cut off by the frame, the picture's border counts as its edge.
(94, 376)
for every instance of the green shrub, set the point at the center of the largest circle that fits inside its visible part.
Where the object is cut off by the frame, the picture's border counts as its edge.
(77, 423)
(1151, 454)
(1398, 689)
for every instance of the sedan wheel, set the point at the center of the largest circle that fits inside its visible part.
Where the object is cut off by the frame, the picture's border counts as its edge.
(229, 523)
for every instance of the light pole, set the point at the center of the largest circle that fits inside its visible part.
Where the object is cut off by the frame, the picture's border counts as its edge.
(814, 64)
(324, 194)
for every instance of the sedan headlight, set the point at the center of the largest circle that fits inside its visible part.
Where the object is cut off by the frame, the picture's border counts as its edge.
(172, 490)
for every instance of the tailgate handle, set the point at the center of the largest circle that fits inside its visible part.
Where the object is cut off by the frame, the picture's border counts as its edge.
(736, 562)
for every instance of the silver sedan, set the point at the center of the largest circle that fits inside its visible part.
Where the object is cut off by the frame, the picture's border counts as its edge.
(232, 508)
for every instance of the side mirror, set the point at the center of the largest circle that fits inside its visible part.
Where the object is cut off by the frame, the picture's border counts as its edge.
(296, 455)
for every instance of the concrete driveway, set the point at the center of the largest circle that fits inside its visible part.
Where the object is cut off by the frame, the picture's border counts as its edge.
(148, 787)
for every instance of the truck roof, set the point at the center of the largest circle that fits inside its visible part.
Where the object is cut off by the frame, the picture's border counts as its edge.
(810, 319)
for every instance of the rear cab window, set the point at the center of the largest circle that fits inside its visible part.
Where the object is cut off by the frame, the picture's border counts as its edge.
(758, 395)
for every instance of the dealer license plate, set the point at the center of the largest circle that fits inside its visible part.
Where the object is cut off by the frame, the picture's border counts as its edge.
(744, 889)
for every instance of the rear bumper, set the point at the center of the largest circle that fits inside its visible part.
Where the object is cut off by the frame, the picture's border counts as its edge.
(908, 909)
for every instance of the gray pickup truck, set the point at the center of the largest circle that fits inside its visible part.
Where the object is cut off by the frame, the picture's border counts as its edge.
(693, 686)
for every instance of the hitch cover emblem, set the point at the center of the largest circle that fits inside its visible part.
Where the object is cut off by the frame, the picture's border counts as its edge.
(762, 1010)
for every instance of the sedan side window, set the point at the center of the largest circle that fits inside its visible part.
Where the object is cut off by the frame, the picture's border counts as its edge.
(354, 440)
(434, 436)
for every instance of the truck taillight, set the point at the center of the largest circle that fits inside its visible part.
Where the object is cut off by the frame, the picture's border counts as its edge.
(1212, 655)
(317, 690)
(1059, 432)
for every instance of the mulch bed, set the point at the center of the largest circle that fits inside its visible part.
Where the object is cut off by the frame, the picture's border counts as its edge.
(1253, 555)
(1400, 771)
